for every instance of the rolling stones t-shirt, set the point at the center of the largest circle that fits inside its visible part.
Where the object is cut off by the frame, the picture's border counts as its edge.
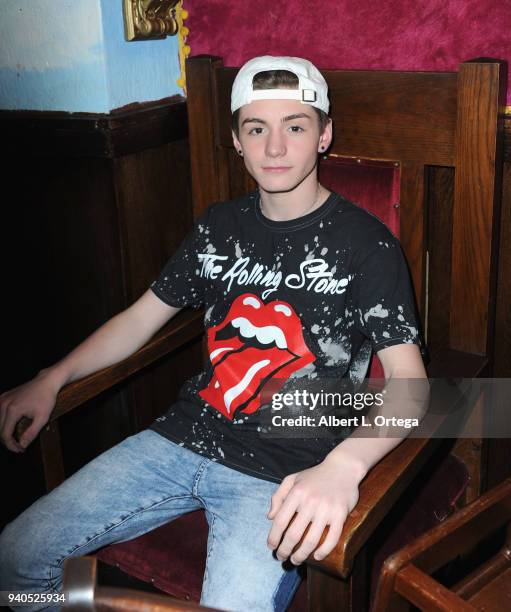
(308, 298)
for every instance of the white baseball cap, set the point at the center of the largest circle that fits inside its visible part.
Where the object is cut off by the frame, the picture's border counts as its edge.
(312, 87)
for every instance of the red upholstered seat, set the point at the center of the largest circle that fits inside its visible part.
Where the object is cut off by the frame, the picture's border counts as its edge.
(173, 563)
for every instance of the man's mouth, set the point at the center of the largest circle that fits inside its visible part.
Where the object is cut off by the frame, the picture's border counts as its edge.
(253, 344)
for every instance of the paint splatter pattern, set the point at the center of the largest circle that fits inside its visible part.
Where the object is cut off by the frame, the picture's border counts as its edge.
(307, 298)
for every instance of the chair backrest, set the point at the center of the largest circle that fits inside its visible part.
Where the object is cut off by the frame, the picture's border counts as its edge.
(416, 120)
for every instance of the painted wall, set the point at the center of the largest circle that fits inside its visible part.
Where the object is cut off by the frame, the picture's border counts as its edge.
(354, 34)
(70, 55)
(137, 71)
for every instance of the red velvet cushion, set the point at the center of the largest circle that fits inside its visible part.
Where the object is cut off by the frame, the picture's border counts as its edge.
(172, 557)
(373, 185)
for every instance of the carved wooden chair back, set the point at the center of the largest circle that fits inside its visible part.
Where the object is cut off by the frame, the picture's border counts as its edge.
(418, 120)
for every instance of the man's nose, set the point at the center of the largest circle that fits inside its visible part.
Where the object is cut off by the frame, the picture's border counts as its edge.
(275, 144)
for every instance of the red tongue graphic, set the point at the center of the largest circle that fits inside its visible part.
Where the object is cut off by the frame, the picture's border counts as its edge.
(223, 347)
(254, 365)
(242, 370)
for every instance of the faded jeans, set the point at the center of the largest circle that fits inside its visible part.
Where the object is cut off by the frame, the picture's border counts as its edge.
(134, 487)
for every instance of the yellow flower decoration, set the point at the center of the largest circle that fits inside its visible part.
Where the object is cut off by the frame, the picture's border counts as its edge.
(184, 49)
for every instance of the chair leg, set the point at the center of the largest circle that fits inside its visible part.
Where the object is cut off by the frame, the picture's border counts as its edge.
(52, 458)
(327, 593)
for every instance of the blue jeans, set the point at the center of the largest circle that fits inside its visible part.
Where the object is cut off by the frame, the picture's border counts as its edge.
(139, 484)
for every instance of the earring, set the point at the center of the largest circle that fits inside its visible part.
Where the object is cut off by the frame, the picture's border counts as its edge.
(240, 152)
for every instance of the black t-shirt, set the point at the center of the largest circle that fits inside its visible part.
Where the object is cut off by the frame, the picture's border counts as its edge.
(306, 298)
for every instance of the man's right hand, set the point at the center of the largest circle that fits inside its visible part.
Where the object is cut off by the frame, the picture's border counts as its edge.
(34, 400)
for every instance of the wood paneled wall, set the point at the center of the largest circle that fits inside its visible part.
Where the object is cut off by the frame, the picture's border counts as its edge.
(96, 204)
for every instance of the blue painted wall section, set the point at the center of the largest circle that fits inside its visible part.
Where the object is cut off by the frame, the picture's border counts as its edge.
(70, 55)
(137, 71)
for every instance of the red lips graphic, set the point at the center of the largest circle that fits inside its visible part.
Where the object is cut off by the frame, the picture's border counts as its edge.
(248, 348)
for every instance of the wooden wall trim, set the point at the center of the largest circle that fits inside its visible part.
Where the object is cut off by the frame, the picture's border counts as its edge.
(49, 134)
(112, 135)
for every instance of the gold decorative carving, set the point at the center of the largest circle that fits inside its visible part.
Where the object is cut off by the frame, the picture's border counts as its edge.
(149, 19)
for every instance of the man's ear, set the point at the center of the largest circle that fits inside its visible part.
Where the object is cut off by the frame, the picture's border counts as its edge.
(237, 144)
(326, 137)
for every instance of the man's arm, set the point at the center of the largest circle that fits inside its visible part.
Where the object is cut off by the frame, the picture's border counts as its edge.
(119, 337)
(325, 494)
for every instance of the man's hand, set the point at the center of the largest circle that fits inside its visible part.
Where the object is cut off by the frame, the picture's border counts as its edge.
(34, 400)
(323, 496)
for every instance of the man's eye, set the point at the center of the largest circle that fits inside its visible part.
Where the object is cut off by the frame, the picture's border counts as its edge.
(296, 128)
(256, 130)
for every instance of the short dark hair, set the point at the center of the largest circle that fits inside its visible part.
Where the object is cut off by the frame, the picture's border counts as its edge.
(277, 79)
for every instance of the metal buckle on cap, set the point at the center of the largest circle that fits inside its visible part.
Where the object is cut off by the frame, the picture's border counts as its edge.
(309, 95)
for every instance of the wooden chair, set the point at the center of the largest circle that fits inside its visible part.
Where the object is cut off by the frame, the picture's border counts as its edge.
(422, 123)
(83, 593)
(406, 576)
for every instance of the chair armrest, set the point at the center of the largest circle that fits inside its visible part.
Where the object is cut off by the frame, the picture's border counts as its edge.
(183, 328)
(129, 600)
(428, 594)
(385, 483)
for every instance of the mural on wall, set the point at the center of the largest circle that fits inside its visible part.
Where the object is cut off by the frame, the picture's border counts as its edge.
(71, 55)
(52, 58)
(354, 34)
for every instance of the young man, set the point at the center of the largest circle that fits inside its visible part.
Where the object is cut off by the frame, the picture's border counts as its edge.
(299, 284)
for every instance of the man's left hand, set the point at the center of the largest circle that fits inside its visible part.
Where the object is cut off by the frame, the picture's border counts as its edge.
(322, 495)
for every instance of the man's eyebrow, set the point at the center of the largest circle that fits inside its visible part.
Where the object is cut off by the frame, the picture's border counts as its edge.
(253, 120)
(296, 116)
(284, 120)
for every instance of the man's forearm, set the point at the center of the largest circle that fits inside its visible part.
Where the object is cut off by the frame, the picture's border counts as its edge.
(405, 399)
(107, 345)
(361, 454)
(119, 337)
